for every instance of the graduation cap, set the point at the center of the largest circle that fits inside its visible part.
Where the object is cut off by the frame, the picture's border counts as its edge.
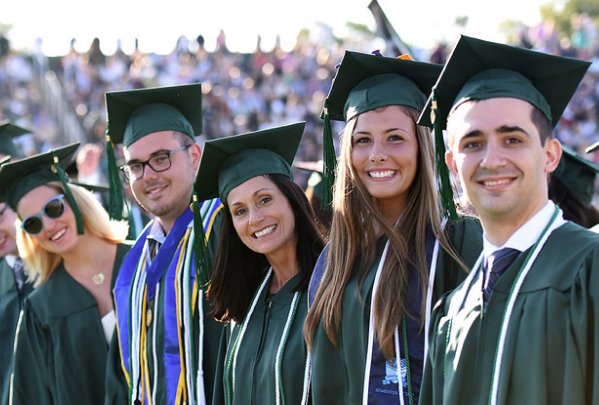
(578, 175)
(479, 70)
(133, 114)
(228, 162)
(20, 177)
(8, 132)
(365, 82)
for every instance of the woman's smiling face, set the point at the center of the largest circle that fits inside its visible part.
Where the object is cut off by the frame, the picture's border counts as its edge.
(385, 155)
(263, 217)
(57, 235)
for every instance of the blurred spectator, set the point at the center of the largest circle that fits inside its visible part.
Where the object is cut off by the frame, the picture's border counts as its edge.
(95, 57)
(440, 53)
(247, 92)
(88, 164)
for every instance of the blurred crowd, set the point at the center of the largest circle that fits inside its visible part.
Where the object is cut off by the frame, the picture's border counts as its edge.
(245, 92)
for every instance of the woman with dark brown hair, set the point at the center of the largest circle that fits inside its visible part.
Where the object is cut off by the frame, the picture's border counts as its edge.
(269, 243)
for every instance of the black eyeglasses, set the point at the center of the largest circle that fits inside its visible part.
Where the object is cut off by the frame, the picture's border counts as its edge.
(53, 209)
(3, 210)
(159, 163)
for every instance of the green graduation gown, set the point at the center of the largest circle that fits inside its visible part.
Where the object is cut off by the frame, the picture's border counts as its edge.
(11, 303)
(338, 374)
(253, 376)
(61, 350)
(165, 372)
(551, 352)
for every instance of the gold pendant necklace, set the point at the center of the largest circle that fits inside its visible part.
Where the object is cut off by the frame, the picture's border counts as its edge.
(98, 278)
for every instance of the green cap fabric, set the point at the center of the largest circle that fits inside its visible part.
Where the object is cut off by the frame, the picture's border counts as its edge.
(133, 114)
(365, 82)
(20, 177)
(8, 132)
(479, 70)
(578, 175)
(228, 162)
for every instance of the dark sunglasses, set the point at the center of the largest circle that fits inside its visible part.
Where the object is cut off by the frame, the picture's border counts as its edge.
(53, 209)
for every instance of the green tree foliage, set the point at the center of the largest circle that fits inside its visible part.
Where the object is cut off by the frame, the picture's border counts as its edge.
(461, 21)
(563, 15)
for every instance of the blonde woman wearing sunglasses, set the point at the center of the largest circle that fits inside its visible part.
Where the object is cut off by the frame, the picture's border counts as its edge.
(69, 243)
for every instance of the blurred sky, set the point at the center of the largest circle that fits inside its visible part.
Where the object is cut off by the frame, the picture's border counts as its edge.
(158, 23)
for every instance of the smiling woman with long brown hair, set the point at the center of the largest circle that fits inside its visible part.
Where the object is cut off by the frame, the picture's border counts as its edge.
(389, 255)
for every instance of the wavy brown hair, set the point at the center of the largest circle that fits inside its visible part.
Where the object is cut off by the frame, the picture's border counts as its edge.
(356, 226)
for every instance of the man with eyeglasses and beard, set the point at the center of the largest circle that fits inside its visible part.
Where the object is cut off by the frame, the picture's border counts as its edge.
(166, 342)
(14, 286)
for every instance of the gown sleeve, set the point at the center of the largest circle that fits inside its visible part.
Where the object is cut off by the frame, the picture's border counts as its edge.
(429, 393)
(116, 383)
(592, 385)
(31, 372)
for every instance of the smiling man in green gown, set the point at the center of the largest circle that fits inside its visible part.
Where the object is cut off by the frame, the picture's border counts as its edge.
(167, 340)
(521, 329)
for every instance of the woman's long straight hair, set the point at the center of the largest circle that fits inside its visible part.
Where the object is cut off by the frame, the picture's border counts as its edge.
(356, 226)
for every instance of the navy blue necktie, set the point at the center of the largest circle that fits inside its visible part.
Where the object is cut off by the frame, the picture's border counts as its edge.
(497, 262)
